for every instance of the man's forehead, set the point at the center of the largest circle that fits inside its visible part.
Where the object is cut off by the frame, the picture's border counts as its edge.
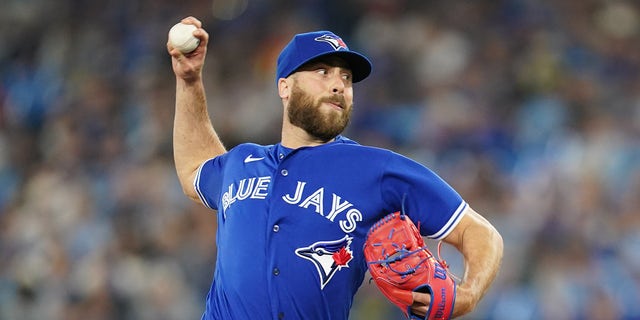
(330, 60)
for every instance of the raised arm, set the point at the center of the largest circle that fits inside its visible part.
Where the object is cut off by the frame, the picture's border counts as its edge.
(194, 139)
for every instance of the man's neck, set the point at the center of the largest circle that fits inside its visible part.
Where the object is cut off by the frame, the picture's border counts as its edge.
(294, 137)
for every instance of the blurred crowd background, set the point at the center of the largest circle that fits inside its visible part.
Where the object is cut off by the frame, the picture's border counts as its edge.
(529, 108)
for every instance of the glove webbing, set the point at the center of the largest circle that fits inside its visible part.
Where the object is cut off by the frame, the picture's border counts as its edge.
(403, 252)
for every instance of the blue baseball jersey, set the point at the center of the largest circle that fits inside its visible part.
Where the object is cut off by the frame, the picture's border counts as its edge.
(292, 223)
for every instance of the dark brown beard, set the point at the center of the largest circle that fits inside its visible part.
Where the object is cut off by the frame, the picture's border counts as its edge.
(305, 113)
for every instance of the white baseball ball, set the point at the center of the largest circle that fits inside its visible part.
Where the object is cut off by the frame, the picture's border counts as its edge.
(181, 37)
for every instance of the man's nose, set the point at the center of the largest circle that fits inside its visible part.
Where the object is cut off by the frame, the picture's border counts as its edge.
(337, 84)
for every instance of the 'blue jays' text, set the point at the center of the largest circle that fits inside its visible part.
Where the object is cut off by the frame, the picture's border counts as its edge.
(341, 211)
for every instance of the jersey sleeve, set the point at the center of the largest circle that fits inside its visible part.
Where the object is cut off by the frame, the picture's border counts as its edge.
(423, 195)
(208, 181)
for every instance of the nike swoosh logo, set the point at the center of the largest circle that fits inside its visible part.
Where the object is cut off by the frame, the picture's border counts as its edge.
(250, 158)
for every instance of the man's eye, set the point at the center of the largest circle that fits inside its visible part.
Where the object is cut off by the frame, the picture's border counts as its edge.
(346, 76)
(322, 71)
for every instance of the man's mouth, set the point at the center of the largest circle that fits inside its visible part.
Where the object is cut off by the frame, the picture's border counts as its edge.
(336, 103)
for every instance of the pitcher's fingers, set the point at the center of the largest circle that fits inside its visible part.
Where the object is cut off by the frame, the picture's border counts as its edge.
(175, 53)
(192, 20)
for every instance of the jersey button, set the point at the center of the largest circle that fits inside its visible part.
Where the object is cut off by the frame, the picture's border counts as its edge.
(280, 315)
(276, 228)
(276, 271)
(281, 156)
(284, 172)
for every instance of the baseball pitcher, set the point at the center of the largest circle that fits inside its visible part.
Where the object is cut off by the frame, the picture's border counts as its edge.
(300, 222)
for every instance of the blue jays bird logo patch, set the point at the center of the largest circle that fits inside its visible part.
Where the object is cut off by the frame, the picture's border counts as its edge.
(334, 41)
(328, 257)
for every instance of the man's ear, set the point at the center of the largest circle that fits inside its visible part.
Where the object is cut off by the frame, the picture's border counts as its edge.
(284, 89)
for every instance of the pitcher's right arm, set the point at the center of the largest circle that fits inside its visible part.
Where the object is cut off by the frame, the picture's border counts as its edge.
(194, 139)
